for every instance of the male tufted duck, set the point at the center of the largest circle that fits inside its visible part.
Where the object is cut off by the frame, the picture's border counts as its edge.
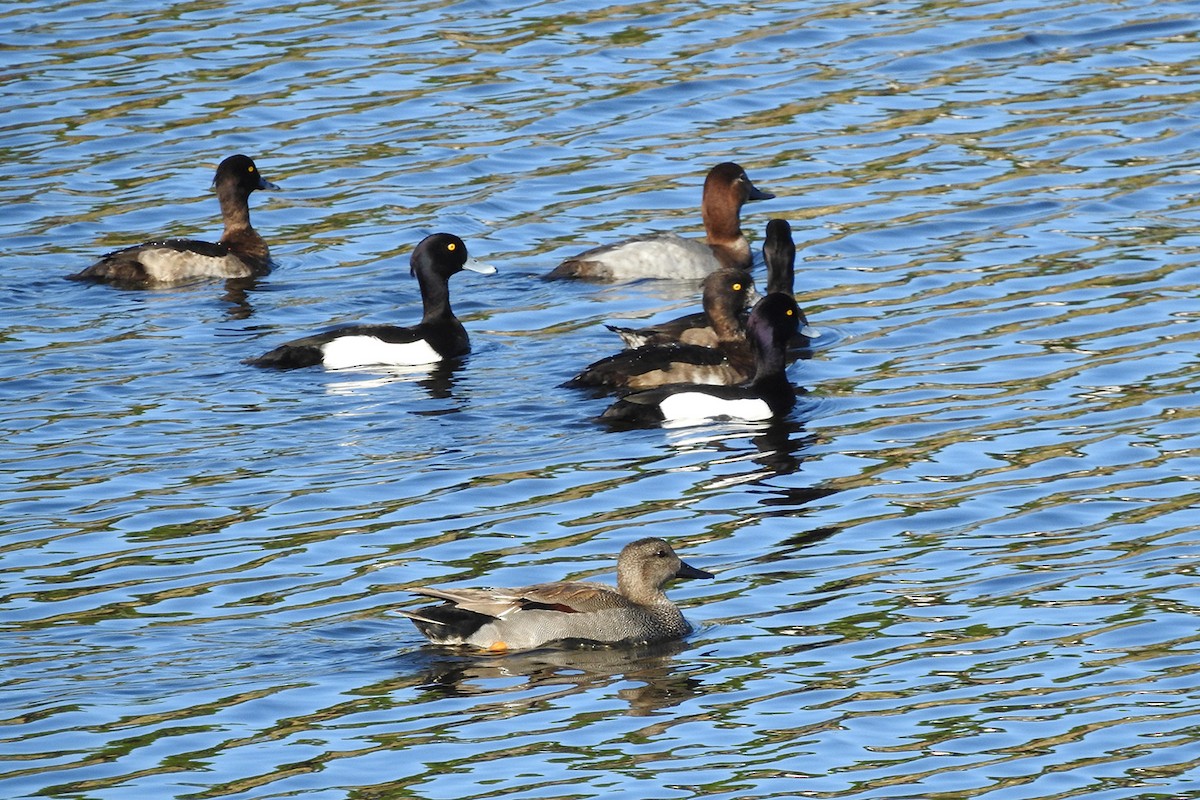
(439, 335)
(767, 395)
(779, 252)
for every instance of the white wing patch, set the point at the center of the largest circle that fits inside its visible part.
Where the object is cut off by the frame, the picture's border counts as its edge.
(693, 407)
(166, 264)
(366, 351)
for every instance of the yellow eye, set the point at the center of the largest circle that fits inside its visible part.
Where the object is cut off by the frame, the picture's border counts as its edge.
(251, 169)
(791, 313)
(452, 247)
(737, 287)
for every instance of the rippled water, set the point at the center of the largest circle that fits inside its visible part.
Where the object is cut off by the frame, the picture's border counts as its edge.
(965, 566)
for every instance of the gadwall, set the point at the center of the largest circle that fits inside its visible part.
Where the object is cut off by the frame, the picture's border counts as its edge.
(438, 336)
(666, 255)
(241, 252)
(567, 612)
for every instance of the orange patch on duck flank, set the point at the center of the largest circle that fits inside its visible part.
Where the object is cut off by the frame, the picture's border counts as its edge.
(498, 647)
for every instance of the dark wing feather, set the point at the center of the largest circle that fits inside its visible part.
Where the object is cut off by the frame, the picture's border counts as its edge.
(642, 365)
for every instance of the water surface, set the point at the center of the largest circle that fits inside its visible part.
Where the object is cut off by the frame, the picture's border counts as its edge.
(964, 566)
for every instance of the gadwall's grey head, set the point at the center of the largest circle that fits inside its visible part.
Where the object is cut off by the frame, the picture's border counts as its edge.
(646, 566)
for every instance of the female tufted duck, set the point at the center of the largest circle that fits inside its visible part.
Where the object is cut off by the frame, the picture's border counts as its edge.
(726, 296)
(241, 252)
(666, 255)
(439, 335)
(728, 359)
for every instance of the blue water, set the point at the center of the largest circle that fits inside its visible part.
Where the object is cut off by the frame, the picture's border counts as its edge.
(964, 566)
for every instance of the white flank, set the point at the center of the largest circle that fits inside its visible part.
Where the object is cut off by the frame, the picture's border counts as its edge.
(168, 265)
(684, 408)
(366, 351)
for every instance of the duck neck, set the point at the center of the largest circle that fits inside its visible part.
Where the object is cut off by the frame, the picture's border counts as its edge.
(770, 365)
(732, 254)
(722, 221)
(235, 210)
(725, 324)
(239, 236)
(639, 593)
(435, 296)
(780, 279)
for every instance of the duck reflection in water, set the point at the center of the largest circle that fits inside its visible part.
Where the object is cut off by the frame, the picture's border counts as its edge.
(770, 449)
(438, 380)
(782, 445)
(650, 678)
(237, 295)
